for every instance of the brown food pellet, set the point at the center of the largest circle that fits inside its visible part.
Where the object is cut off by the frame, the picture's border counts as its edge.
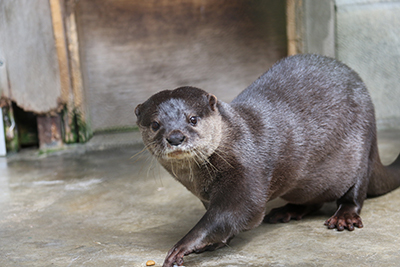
(150, 263)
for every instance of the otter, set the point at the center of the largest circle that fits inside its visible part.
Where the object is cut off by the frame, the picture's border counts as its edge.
(304, 131)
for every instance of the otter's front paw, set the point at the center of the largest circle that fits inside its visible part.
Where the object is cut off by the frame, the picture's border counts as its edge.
(176, 253)
(343, 220)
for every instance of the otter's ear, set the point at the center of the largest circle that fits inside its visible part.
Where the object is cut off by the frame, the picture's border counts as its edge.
(137, 110)
(212, 101)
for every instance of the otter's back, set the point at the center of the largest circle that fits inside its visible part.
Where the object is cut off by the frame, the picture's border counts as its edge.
(311, 88)
(307, 78)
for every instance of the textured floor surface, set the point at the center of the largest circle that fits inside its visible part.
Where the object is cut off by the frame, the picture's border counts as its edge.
(85, 207)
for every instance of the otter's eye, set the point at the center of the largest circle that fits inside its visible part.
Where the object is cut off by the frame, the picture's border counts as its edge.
(155, 126)
(193, 120)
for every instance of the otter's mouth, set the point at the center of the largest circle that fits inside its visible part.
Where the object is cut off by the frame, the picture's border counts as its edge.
(179, 154)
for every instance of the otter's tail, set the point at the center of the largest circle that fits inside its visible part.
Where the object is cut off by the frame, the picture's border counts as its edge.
(383, 178)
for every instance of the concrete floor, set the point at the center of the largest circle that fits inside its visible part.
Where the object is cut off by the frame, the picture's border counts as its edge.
(89, 207)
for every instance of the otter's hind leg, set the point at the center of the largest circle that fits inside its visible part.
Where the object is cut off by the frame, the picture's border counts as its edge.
(289, 212)
(349, 208)
(349, 205)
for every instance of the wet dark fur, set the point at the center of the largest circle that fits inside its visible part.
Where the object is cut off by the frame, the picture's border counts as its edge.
(304, 131)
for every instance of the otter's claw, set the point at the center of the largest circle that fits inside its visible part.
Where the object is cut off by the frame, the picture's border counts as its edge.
(345, 217)
(175, 256)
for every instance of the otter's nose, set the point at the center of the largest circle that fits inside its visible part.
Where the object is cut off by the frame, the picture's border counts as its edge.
(176, 138)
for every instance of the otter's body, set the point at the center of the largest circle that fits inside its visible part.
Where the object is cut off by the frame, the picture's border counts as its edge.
(304, 131)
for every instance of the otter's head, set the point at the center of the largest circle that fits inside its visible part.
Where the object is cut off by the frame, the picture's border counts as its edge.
(180, 124)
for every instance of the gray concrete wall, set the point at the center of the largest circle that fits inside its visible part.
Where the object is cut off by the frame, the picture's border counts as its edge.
(368, 40)
(319, 25)
(133, 49)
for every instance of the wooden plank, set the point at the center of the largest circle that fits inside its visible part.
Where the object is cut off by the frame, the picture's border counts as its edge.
(58, 15)
(61, 47)
(79, 120)
(294, 26)
(49, 130)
